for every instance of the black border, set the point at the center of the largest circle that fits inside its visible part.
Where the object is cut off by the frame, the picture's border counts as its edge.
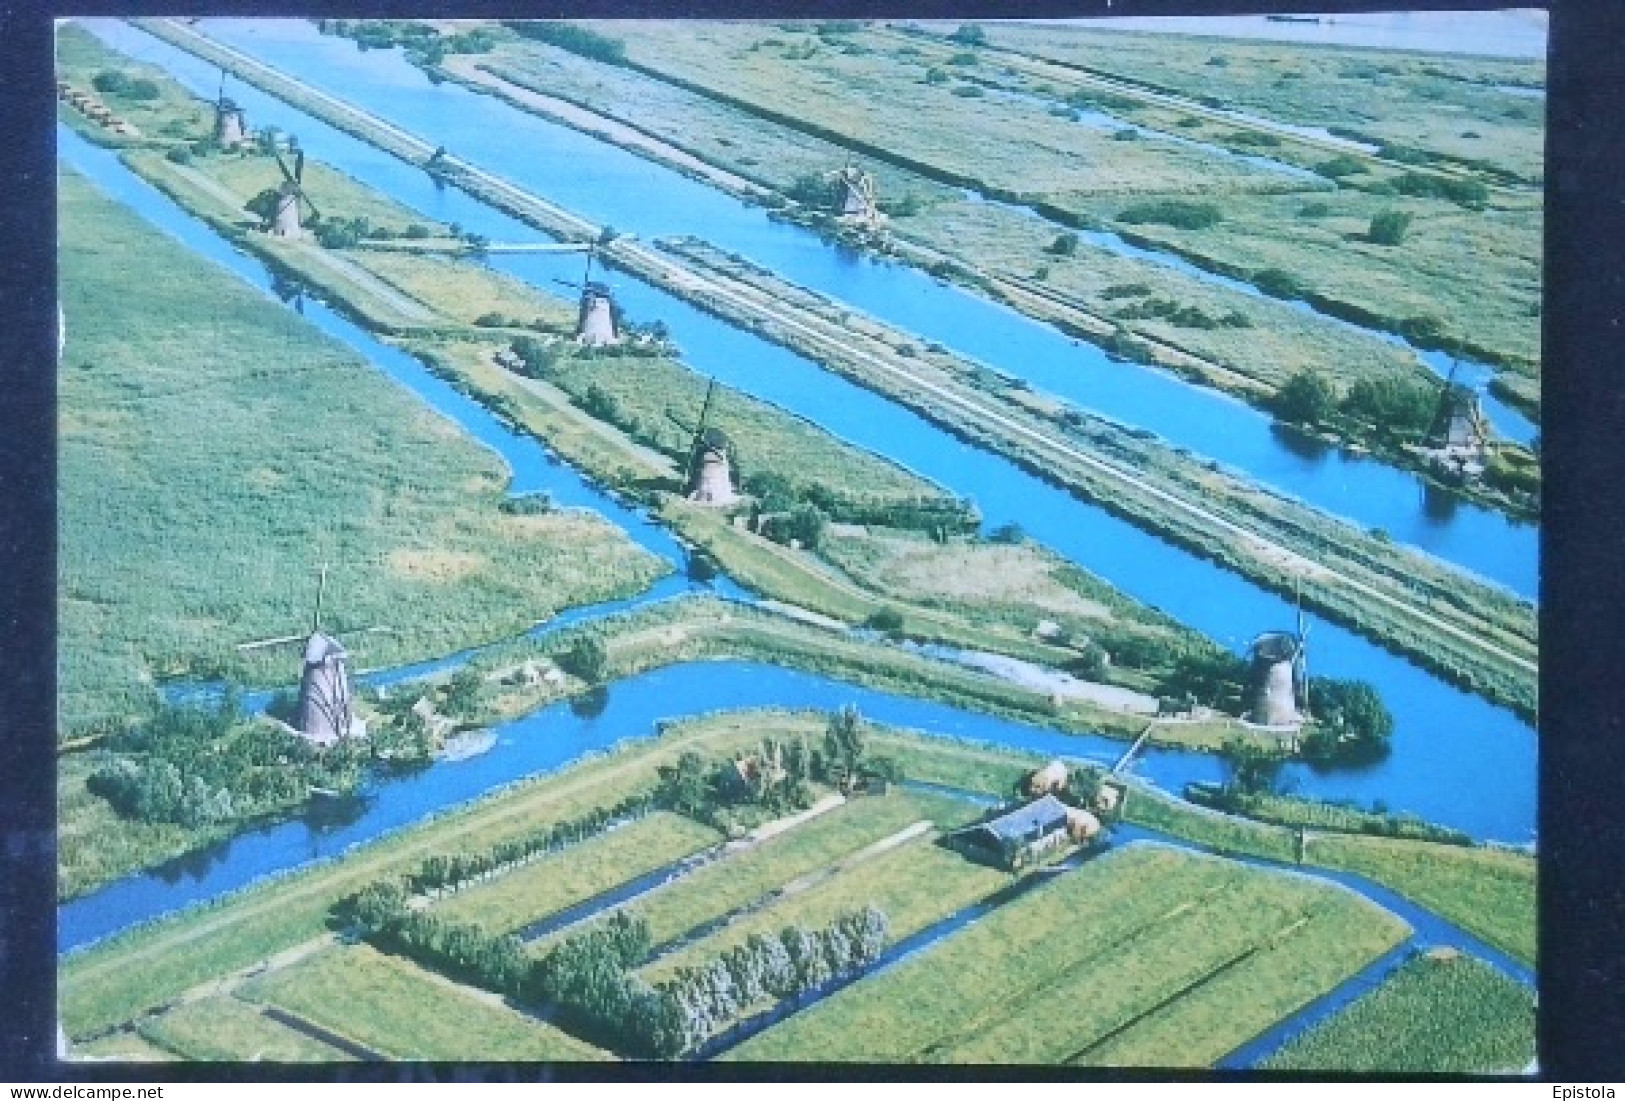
(1582, 829)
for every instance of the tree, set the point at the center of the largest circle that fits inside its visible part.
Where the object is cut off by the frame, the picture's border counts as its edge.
(1388, 227)
(970, 34)
(686, 786)
(1306, 398)
(845, 740)
(808, 525)
(1391, 403)
(587, 659)
(1252, 769)
(263, 206)
(462, 691)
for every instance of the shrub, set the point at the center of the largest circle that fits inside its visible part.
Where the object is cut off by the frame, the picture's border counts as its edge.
(962, 59)
(1180, 213)
(886, 619)
(970, 34)
(1422, 185)
(178, 154)
(1066, 244)
(568, 36)
(1307, 398)
(110, 82)
(1391, 403)
(142, 89)
(1388, 227)
(1314, 210)
(969, 91)
(936, 76)
(587, 659)
(1341, 165)
(1279, 283)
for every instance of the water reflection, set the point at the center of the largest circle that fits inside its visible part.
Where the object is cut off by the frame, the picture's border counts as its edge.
(590, 704)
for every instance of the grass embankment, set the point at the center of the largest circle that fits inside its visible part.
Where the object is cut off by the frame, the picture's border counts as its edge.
(1487, 891)
(514, 900)
(1145, 956)
(224, 1029)
(397, 1009)
(1436, 1015)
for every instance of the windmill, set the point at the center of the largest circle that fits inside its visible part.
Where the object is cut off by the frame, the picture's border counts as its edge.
(707, 478)
(1278, 674)
(595, 320)
(1458, 422)
(324, 714)
(230, 121)
(855, 193)
(285, 220)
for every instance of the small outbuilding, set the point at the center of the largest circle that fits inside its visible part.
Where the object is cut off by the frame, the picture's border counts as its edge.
(1048, 780)
(1025, 835)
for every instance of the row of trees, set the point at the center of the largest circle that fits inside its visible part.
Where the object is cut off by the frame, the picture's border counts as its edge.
(116, 82)
(590, 977)
(1391, 404)
(797, 961)
(451, 872)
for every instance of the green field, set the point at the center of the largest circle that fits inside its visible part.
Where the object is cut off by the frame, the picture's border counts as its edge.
(1489, 892)
(1439, 1014)
(1094, 958)
(562, 879)
(1424, 101)
(403, 1012)
(736, 880)
(223, 1029)
(915, 885)
(194, 515)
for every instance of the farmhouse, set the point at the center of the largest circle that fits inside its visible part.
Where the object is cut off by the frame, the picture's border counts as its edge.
(1025, 834)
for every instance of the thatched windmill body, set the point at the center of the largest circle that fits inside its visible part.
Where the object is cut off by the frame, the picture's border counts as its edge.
(1458, 422)
(1278, 676)
(230, 120)
(596, 318)
(855, 194)
(324, 713)
(708, 477)
(286, 219)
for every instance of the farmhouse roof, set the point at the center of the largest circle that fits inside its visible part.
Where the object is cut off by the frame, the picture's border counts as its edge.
(1037, 818)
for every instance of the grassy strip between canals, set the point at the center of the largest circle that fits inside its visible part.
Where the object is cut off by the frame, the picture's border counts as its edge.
(224, 1029)
(578, 872)
(736, 880)
(1118, 942)
(1487, 891)
(916, 884)
(403, 1012)
(1439, 1014)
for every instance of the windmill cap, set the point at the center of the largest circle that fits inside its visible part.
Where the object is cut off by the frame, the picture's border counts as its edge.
(321, 647)
(1276, 646)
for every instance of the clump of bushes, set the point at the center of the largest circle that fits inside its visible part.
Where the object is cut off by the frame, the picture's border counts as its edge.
(1279, 283)
(115, 82)
(1388, 227)
(568, 36)
(1469, 193)
(1179, 213)
(1344, 164)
